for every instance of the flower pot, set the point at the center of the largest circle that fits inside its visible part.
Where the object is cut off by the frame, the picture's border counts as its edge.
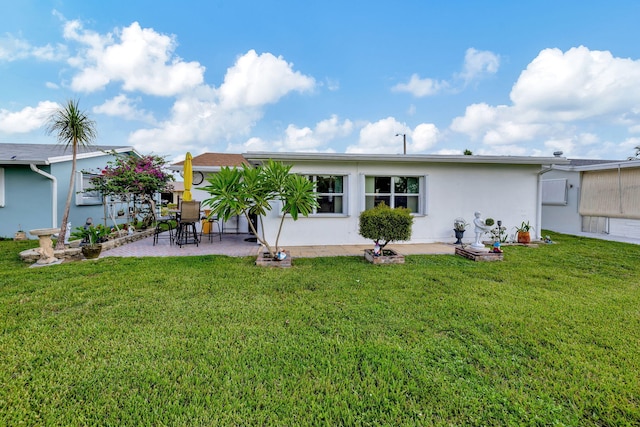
(524, 237)
(459, 234)
(91, 252)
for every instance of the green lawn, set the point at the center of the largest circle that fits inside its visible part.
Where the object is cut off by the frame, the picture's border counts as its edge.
(549, 336)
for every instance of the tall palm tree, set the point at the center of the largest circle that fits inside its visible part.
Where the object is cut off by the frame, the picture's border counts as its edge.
(72, 127)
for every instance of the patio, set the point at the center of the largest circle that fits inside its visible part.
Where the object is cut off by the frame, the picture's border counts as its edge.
(237, 245)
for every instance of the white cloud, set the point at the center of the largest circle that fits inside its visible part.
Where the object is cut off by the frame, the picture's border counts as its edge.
(303, 139)
(207, 115)
(577, 84)
(386, 136)
(555, 98)
(140, 58)
(122, 106)
(424, 137)
(420, 87)
(13, 49)
(478, 63)
(27, 119)
(256, 80)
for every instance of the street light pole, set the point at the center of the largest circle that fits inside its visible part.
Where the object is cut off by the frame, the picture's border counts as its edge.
(404, 141)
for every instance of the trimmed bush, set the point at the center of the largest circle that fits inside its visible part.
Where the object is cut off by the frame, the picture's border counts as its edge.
(383, 224)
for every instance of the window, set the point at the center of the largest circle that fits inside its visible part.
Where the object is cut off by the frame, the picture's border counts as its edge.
(330, 192)
(83, 197)
(1, 187)
(394, 191)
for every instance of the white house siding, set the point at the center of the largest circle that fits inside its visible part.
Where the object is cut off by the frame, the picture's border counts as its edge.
(507, 192)
(563, 218)
(624, 227)
(567, 219)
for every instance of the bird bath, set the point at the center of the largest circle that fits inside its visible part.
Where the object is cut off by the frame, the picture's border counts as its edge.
(46, 245)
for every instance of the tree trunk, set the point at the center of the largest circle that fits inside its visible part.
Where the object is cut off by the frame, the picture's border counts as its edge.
(67, 206)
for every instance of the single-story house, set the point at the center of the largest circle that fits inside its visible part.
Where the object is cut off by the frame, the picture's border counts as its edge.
(437, 188)
(34, 181)
(593, 196)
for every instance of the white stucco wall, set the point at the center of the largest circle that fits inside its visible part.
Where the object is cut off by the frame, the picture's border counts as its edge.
(501, 191)
(564, 218)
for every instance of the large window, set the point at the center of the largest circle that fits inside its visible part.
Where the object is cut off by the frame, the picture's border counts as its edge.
(330, 192)
(84, 197)
(394, 191)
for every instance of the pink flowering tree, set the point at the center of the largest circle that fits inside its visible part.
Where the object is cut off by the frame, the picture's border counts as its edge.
(134, 180)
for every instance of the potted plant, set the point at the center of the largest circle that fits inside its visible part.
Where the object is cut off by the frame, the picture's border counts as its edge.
(384, 225)
(499, 232)
(459, 227)
(523, 235)
(92, 239)
(20, 234)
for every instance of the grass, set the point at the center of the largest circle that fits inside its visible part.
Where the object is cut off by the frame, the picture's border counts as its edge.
(550, 336)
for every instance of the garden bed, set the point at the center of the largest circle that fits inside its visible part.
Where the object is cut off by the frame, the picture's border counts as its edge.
(73, 252)
(388, 256)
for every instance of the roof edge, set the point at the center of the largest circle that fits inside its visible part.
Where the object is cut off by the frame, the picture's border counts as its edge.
(408, 158)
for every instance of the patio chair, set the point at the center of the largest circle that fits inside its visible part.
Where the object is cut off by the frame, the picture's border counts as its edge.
(189, 217)
(163, 224)
(209, 225)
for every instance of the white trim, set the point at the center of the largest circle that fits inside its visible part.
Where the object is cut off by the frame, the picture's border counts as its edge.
(82, 197)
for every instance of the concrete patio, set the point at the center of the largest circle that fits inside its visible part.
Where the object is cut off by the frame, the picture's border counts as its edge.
(239, 245)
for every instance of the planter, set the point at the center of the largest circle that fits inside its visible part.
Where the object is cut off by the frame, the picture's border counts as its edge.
(389, 256)
(265, 260)
(20, 235)
(91, 252)
(524, 237)
(459, 234)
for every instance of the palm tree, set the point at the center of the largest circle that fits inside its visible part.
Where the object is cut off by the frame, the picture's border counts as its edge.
(637, 156)
(71, 127)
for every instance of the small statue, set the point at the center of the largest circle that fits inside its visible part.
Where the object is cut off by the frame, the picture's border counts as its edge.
(480, 229)
(376, 250)
(496, 248)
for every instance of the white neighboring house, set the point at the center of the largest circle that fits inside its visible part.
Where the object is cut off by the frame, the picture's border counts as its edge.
(593, 196)
(437, 188)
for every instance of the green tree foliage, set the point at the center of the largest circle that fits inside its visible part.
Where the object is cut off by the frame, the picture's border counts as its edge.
(384, 225)
(72, 128)
(129, 175)
(254, 191)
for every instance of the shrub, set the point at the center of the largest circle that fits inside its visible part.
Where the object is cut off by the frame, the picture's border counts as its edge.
(383, 224)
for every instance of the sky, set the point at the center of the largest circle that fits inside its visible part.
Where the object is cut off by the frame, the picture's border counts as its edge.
(347, 76)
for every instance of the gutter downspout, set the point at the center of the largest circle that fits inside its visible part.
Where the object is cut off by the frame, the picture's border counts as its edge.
(54, 194)
(539, 201)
